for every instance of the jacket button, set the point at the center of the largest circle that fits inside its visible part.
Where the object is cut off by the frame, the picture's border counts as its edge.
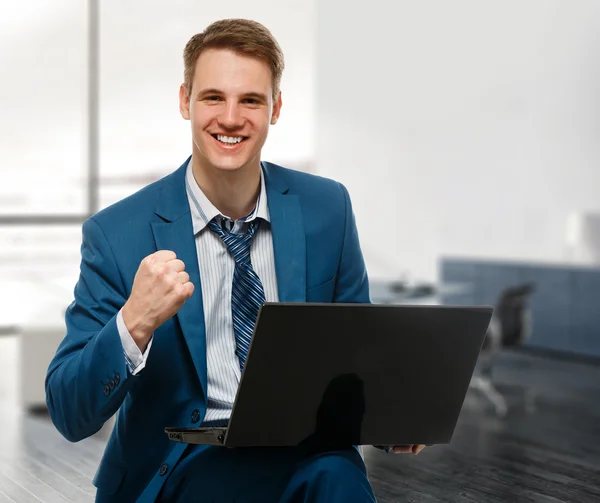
(117, 379)
(195, 416)
(164, 467)
(111, 384)
(106, 390)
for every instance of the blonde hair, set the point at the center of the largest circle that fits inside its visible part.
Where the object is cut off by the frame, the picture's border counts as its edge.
(242, 36)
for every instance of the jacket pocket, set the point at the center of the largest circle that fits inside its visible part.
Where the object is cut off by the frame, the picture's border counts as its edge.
(109, 477)
(322, 292)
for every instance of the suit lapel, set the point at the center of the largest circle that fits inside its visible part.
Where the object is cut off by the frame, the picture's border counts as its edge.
(175, 232)
(289, 240)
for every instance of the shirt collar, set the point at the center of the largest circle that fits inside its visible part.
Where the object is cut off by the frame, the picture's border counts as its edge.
(203, 211)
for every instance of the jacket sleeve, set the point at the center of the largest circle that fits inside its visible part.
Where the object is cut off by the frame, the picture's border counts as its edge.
(88, 379)
(352, 284)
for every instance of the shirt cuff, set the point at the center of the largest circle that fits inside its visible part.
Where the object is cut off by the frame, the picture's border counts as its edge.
(136, 361)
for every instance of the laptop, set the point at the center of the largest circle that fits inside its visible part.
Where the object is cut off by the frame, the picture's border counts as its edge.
(335, 375)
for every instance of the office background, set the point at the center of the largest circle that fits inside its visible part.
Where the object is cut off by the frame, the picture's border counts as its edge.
(467, 133)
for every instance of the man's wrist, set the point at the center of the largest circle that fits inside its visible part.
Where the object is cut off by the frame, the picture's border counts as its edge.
(139, 333)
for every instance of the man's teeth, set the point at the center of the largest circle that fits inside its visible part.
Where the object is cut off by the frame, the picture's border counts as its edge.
(229, 139)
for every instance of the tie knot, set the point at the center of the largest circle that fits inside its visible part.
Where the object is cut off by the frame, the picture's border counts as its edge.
(237, 244)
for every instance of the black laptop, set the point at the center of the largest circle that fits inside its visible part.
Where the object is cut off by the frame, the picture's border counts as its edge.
(329, 375)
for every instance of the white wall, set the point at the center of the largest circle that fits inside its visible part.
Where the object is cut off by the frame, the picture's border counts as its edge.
(468, 127)
(464, 127)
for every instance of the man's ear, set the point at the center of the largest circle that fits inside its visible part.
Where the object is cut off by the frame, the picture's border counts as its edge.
(184, 102)
(276, 109)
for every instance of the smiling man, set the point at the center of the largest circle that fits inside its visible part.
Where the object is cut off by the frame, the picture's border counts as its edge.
(171, 281)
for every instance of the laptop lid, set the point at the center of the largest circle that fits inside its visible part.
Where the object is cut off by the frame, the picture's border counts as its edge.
(343, 374)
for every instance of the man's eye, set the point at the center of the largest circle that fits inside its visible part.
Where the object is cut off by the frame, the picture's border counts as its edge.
(212, 98)
(251, 101)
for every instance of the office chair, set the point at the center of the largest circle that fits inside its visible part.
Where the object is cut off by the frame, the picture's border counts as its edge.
(510, 326)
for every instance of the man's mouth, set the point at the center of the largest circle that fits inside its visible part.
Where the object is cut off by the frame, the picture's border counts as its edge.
(228, 140)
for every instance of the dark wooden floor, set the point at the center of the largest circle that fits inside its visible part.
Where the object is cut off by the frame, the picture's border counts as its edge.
(547, 449)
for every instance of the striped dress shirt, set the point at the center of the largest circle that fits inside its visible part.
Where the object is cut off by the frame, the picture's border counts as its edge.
(216, 266)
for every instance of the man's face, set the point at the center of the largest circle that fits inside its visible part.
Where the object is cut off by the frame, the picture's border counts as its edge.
(230, 107)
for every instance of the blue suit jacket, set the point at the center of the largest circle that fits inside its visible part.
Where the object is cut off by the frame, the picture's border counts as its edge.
(317, 259)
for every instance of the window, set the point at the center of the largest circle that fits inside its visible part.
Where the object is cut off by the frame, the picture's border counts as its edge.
(43, 135)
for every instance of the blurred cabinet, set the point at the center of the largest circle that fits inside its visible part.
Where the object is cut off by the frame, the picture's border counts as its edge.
(565, 306)
(585, 309)
(39, 339)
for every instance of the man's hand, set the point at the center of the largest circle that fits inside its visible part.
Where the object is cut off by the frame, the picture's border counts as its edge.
(405, 449)
(160, 287)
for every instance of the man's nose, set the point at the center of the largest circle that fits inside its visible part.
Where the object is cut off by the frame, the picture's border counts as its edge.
(231, 117)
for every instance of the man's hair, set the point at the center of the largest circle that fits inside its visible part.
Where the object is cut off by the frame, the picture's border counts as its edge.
(242, 36)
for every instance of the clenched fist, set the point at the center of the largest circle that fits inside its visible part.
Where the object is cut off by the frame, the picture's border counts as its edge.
(160, 287)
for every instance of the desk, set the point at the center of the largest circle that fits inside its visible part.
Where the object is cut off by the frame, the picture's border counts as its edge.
(384, 292)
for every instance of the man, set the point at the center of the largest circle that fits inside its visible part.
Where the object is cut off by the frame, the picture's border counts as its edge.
(171, 280)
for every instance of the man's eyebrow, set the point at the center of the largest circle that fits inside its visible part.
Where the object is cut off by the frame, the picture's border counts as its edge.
(259, 96)
(211, 90)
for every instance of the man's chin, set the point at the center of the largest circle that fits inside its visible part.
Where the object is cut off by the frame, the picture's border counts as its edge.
(232, 164)
(230, 167)
(228, 163)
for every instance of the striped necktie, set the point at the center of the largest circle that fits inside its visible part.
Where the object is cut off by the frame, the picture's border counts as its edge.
(247, 293)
